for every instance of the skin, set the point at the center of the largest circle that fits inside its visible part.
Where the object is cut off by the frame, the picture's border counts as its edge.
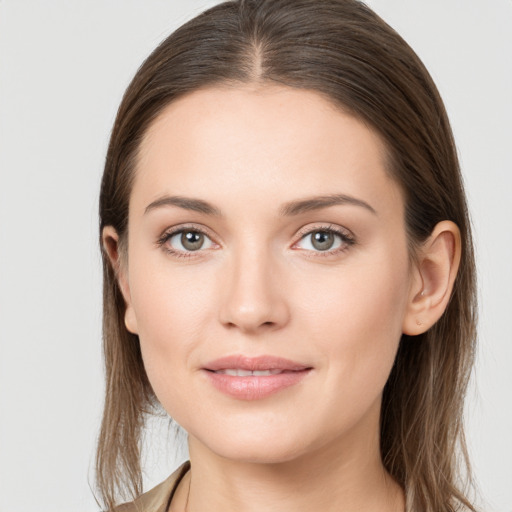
(259, 286)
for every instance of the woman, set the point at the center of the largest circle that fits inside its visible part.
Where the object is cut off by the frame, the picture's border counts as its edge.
(288, 268)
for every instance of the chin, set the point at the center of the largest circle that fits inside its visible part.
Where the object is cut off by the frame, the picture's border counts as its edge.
(257, 453)
(257, 446)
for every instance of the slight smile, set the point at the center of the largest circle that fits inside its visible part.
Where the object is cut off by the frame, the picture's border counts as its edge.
(254, 378)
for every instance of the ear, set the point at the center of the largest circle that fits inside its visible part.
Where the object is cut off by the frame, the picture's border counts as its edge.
(435, 270)
(118, 260)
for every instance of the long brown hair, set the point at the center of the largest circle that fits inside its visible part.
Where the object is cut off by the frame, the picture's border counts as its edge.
(343, 50)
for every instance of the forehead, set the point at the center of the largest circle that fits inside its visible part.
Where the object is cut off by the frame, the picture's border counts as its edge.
(271, 140)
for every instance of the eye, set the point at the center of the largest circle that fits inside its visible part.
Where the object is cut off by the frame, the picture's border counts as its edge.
(328, 240)
(185, 241)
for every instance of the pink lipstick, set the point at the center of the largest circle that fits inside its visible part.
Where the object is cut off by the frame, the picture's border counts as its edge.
(254, 378)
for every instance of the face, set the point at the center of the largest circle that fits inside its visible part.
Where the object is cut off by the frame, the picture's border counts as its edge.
(266, 236)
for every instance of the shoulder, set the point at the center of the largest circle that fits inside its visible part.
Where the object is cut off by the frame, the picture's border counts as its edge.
(158, 498)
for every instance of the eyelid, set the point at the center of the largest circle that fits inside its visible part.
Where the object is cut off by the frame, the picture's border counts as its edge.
(311, 228)
(174, 230)
(347, 237)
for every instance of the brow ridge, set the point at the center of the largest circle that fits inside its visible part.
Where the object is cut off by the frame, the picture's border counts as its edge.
(288, 209)
(319, 202)
(187, 203)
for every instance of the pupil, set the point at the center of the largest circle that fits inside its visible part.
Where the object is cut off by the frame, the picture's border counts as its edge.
(323, 240)
(192, 240)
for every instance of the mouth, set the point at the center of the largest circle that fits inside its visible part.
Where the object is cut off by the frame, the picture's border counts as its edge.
(264, 363)
(237, 372)
(254, 378)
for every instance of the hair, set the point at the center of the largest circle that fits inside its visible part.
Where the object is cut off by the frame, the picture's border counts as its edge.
(344, 51)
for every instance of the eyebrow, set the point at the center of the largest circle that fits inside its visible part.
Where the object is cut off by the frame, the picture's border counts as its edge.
(187, 203)
(287, 210)
(319, 202)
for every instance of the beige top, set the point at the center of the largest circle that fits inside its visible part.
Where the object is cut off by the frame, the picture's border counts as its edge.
(159, 498)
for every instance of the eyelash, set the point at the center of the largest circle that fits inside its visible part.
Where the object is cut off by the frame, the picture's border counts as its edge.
(347, 240)
(167, 235)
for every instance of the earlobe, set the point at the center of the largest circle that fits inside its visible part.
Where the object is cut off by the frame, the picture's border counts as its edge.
(130, 321)
(435, 271)
(110, 241)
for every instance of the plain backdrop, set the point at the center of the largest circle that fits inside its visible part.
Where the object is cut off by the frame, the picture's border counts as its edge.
(63, 68)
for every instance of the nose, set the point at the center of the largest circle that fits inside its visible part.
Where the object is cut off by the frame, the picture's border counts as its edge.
(253, 298)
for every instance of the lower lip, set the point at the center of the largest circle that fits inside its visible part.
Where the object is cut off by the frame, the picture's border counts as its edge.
(255, 387)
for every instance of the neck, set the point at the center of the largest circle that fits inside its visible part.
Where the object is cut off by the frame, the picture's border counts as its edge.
(347, 477)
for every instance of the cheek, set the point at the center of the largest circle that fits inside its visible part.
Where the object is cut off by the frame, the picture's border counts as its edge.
(172, 308)
(355, 317)
(357, 299)
(348, 318)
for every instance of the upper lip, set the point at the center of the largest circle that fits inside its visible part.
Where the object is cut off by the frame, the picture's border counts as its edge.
(264, 362)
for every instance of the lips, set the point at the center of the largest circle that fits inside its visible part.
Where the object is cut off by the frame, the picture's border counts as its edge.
(234, 372)
(253, 378)
(260, 363)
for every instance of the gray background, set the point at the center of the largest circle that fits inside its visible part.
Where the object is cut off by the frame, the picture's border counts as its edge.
(63, 68)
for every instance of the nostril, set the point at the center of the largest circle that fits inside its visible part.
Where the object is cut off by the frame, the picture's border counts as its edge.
(249, 309)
